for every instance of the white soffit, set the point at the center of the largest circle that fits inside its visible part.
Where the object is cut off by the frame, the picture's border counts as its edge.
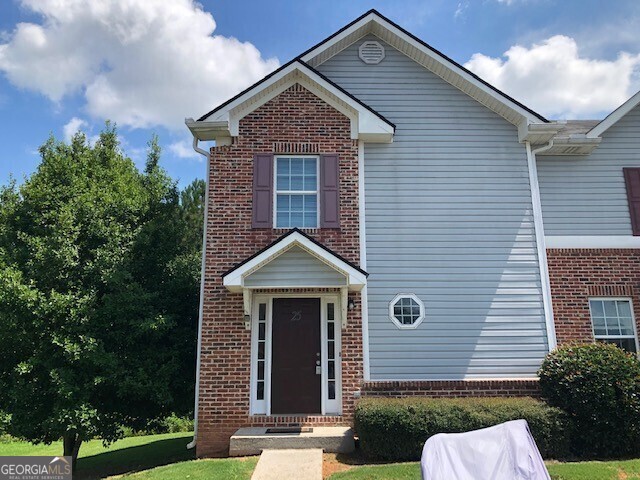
(234, 279)
(445, 68)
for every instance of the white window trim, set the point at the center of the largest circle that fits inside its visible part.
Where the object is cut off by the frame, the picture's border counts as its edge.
(393, 318)
(315, 192)
(611, 337)
(328, 407)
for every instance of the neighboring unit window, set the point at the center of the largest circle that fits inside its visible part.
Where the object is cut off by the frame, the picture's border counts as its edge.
(296, 192)
(613, 322)
(406, 310)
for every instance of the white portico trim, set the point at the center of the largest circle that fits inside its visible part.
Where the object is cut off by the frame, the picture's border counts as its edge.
(348, 277)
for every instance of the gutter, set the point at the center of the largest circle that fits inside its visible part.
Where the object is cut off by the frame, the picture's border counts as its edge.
(540, 241)
(192, 444)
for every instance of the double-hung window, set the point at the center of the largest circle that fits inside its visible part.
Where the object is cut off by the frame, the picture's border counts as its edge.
(296, 192)
(612, 320)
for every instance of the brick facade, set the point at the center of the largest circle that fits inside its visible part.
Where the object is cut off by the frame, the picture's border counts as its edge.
(447, 388)
(577, 274)
(295, 121)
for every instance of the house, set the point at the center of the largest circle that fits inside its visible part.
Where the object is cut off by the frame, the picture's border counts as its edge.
(381, 221)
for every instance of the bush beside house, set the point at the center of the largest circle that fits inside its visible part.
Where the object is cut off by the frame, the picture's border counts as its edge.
(598, 386)
(396, 429)
(591, 409)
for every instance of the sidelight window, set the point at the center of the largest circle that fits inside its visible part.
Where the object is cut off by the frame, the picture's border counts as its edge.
(262, 344)
(331, 351)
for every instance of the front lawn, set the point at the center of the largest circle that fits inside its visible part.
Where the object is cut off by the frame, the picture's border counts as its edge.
(210, 469)
(144, 454)
(614, 470)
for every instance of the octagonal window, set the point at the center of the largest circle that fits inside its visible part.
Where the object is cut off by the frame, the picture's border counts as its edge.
(406, 310)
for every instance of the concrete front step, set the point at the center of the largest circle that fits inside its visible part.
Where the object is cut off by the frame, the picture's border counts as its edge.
(253, 440)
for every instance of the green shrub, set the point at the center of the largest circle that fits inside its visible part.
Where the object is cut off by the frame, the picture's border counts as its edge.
(598, 386)
(176, 424)
(171, 424)
(396, 429)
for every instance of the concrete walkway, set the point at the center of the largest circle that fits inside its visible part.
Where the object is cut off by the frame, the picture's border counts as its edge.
(289, 465)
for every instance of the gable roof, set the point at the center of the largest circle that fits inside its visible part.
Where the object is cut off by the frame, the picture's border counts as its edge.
(221, 123)
(373, 22)
(614, 116)
(223, 120)
(233, 279)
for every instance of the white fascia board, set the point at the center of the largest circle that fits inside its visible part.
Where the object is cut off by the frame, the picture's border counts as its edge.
(363, 122)
(537, 133)
(464, 75)
(593, 241)
(614, 116)
(371, 17)
(234, 280)
(207, 130)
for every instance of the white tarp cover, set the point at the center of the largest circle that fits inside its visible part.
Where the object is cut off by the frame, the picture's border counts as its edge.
(503, 452)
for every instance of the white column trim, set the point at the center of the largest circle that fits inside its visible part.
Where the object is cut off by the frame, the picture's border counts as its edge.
(541, 247)
(364, 309)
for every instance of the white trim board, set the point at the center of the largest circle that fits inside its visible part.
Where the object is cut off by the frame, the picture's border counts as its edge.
(376, 24)
(234, 280)
(541, 248)
(614, 116)
(583, 241)
(364, 298)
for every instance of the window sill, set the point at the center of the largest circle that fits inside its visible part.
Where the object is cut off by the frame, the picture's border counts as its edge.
(306, 230)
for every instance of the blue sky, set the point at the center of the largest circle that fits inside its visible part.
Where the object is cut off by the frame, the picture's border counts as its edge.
(148, 64)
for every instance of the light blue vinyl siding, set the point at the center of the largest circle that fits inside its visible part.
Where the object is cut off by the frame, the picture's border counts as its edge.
(449, 218)
(295, 268)
(586, 195)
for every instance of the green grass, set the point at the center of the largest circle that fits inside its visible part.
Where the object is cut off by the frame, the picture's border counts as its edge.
(614, 470)
(145, 454)
(211, 469)
(392, 471)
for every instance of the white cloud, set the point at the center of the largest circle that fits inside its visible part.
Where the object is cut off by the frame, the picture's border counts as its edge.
(552, 78)
(460, 9)
(72, 127)
(183, 149)
(138, 62)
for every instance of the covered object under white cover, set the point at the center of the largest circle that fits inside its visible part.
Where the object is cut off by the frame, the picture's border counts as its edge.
(503, 452)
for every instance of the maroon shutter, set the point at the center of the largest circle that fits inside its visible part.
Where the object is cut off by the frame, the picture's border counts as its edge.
(632, 180)
(329, 192)
(262, 190)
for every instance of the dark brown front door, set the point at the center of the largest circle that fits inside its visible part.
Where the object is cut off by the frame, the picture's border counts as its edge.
(295, 385)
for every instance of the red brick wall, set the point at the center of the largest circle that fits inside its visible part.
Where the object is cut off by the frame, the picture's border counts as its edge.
(577, 274)
(446, 388)
(294, 122)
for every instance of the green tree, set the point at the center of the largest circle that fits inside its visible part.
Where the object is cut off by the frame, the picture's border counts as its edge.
(98, 295)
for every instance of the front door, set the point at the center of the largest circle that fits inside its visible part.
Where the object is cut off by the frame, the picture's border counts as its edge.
(295, 381)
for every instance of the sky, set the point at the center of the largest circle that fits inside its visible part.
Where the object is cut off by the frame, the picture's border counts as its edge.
(69, 65)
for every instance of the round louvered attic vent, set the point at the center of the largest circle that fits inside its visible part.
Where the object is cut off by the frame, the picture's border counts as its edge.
(371, 52)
